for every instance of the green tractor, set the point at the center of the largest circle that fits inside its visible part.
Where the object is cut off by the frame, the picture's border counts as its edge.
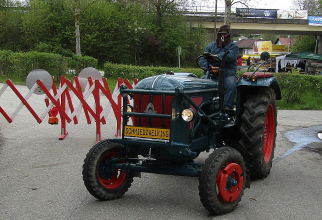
(176, 116)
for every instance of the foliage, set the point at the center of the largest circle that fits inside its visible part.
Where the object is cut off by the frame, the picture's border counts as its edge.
(17, 65)
(4, 61)
(140, 72)
(228, 6)
(313, 6)
(10, 26)
(299, 90)
(78, 63)
(304, 44)
(49, 48)
(121, 31)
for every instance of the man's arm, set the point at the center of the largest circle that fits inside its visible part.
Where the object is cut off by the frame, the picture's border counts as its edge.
(232, 53)
(203, 61)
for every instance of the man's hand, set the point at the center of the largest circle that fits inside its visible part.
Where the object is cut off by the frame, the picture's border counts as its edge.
(214, 70)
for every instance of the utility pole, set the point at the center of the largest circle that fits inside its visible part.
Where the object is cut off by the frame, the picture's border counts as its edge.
(179, 54)
(77, 30)
(215, 33)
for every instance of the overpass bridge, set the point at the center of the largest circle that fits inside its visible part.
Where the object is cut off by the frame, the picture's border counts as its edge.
(241, 25)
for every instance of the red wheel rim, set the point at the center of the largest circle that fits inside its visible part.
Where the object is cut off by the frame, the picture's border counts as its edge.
(118, 176)
(230, 192)
(269, 133)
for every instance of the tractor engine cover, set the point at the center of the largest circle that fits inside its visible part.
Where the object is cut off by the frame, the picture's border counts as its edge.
(169, 82)
(162, 104)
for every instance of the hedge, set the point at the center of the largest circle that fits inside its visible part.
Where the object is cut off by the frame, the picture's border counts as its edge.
(140, 72)
(19, 64)
(300, 91)
(4, 61)
(80, 62)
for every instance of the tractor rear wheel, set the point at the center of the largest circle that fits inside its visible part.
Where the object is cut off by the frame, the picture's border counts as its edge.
(258, 131)
(222, 180)
(100, 178)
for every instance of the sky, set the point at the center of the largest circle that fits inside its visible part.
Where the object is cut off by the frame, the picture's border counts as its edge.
(274, 4)
(265, 4)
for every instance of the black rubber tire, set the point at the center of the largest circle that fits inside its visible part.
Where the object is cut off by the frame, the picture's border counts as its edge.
(90, 172)
(208, 191)
(252, 131)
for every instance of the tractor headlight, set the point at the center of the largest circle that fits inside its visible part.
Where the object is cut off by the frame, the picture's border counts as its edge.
(187, 115)
(129, 108)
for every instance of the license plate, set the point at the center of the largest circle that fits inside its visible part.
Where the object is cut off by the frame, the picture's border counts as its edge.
(147, 133)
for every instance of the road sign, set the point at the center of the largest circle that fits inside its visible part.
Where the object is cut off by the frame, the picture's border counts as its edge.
(315, 20)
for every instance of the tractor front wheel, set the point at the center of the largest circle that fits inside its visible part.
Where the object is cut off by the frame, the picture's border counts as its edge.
(101, 179)
(222, 180)
(258, 132)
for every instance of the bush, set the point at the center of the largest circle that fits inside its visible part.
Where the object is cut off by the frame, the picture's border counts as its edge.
(4, 61)
(22, 63)
(18, 64)
(140, 72)
(300, 90)
(80, 62)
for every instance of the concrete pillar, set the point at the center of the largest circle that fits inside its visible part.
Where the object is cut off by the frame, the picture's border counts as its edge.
(319, 44)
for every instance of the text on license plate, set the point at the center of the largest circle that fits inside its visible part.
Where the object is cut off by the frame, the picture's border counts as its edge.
(142, 132)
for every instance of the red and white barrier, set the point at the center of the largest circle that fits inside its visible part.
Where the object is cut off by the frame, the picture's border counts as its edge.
(69, 99)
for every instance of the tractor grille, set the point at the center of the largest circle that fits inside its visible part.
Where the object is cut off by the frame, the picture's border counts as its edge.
(159, 104)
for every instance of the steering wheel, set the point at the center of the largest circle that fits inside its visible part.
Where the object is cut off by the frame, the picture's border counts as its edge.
(212, 59)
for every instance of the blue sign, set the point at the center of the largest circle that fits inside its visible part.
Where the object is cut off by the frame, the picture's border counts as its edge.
(315, 20)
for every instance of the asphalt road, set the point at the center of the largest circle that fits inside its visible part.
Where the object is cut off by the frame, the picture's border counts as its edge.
(40, 176)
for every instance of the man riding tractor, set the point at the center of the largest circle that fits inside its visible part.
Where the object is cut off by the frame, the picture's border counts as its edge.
(227, 51)
(176, 116)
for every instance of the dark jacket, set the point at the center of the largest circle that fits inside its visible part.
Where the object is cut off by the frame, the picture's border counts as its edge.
(230, 62)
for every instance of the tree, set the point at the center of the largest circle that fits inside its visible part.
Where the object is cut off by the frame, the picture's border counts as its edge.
(160, 8)
(10, 25)
(77, 30)
(121, 31)
(307, 43)
(313, 6)
(166, 31)
(228, 5)
(51, 23)
(304, 44)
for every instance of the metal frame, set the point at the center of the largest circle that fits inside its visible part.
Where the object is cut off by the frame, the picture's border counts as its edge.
(155, 166)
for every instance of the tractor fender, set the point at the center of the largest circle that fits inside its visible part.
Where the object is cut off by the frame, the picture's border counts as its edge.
(271, 82)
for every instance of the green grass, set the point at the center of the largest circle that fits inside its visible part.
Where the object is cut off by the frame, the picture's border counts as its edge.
(309, 101)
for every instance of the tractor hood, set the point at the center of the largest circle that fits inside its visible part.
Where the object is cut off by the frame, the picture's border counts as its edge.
(167, 82)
